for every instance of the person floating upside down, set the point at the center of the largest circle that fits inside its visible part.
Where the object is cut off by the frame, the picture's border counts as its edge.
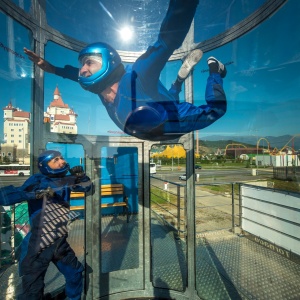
(134, 97)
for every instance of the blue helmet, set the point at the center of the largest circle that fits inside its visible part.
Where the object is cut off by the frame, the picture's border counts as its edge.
(111, 71)
(44, 168)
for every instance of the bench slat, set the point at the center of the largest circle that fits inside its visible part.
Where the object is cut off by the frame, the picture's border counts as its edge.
(106, 190)
(109, 193)
(77, 207)
(77, 194)
(115, 204)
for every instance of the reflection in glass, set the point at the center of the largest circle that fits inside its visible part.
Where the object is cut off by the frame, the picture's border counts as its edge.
(15, 82)
(67, 106)
(212, 19)
(120, 233)
(134, 98)
(168, 217)
(261, 152)
(109, 21)
(25, 5)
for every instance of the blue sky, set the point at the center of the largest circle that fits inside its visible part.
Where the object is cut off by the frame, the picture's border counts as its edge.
(262, 84)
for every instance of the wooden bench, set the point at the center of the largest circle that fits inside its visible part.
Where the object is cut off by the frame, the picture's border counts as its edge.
(106, 190)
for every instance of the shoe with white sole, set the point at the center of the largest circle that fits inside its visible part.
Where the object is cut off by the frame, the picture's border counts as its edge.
(190, 61)
(216, 66)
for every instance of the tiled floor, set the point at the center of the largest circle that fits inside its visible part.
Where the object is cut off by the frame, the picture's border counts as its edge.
(228, 266)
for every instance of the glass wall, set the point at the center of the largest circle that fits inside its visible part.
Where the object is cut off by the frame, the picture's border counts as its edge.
(15, 81)
(188, 218)
(213, 19)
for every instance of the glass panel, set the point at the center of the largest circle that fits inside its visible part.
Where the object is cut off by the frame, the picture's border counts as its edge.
(119, 182)
(24, 4)
(15, 82)
(168, 216)
(256, 142)
(74, 156)
(110, 21)
(15, 101)
(68, 107)
(255, 104)
(107, 21)
(214, 18)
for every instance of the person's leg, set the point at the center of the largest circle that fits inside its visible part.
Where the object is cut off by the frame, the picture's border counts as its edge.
(189, 63)
(174, 28)
(177, 22)
(190, 117)
(214, 87)
(32, 268)
(68, 264)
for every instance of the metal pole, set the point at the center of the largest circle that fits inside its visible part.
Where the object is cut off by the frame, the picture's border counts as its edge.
(232, 203)
(1, 236)
(178, 210)
(23, 146)
(13, 236)
(240, 206)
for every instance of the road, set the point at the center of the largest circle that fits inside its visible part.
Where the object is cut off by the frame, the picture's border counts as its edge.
(218, 175)
(12, 180)
(205, 176)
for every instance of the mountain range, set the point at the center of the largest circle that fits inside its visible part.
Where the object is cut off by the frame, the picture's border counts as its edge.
(274, 141)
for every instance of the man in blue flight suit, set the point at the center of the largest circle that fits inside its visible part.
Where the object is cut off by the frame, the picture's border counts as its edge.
(48, 194)
(134, 97)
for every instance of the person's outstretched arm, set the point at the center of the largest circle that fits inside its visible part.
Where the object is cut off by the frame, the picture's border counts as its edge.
(66, 72)
(10, 195)
(40, 62)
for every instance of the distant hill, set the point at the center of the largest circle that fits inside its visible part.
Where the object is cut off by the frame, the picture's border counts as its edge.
(279, 142)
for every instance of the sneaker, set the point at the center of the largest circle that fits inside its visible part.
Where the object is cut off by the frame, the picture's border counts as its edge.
(190, 61)
(216, 66)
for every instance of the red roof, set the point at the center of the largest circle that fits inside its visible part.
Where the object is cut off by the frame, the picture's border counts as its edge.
(58, 102)
(62, 117)
(21, 114)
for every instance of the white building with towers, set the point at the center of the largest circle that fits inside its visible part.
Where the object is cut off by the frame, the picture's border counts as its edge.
(61, 117)
(16, 127)
(16, 134)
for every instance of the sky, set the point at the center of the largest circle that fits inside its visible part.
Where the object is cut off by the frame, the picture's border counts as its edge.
(262, 83)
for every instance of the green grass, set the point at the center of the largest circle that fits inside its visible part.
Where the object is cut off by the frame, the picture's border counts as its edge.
(160, 197)
(221, 189)
(292, 186)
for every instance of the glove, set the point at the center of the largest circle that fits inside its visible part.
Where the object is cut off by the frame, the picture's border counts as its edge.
(77, 171)
(49, 193)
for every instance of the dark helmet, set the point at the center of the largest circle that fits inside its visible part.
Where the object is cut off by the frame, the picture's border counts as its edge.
(43, 160)
(111, 71)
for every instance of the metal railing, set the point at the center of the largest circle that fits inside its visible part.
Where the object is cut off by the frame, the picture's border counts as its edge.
(14, 227)
(168, 202)
(287, 173)
(217, 206)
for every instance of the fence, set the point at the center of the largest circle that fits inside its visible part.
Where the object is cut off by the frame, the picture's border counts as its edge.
(286, 173)
(14, 227)
(217, 205)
